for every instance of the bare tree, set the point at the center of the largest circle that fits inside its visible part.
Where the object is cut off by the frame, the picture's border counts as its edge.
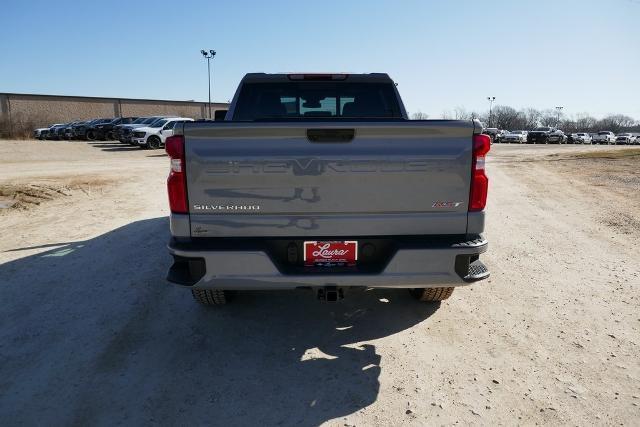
(568, 126)
(419, 115)
(460, 113)
(532, 118)
(586, 123)
(506, 117)
(548, 118)
(617, 123)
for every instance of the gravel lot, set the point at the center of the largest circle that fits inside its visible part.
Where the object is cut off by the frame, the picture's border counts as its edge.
(92, 334)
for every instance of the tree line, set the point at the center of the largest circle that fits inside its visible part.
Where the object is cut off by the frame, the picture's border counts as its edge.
(505, 117)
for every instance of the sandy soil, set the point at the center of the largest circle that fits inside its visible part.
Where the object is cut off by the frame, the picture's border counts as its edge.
(92, 334)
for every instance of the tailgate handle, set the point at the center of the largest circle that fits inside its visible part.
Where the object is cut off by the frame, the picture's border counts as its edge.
(330, 135)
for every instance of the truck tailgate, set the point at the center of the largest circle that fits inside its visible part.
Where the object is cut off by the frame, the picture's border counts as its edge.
(328, 178)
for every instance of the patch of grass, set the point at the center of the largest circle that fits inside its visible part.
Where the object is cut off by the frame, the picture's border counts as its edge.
(612, 154)
(24, 196)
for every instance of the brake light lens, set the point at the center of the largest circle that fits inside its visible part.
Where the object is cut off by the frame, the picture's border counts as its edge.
(479, 180)
(177, 181)
(317, 76)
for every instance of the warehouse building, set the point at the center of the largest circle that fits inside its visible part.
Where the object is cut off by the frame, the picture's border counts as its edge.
(21, 113)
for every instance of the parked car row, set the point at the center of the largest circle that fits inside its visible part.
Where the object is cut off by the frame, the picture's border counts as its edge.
(88, 130)
(151, 132)
(551, 135)
(146, 132)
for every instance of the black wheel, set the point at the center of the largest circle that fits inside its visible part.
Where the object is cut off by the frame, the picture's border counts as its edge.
(110, 136)
(91, 135)
(210, 296)
(431, 294)
(153, 142)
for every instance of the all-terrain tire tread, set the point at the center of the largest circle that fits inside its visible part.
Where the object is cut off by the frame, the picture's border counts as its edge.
(209, 296)
(432, 294)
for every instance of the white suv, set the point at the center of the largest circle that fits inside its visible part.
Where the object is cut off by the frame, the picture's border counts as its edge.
(581, 138)
(154, 135)
(625, 138)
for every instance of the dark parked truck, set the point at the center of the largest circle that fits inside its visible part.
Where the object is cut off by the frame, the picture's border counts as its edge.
(546, 135)
(105, 131)
(320, 181)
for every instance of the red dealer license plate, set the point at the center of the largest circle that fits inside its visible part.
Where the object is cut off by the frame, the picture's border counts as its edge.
(330, 254)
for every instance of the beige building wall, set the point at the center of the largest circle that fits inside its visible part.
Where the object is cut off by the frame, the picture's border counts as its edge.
(20, 113)
(132, 108)
(52, 110)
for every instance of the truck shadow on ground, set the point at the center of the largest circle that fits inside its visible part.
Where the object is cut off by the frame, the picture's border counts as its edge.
(113, 146)
(118, 146)
(92, 334)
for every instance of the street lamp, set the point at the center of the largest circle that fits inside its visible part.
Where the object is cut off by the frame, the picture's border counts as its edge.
(558, 110)
(209, 55)
(490, 99)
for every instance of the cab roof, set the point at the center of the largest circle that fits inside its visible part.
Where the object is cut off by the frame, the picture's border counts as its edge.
(302, 76)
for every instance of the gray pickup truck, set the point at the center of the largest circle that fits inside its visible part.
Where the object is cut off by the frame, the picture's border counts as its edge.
(320, 181)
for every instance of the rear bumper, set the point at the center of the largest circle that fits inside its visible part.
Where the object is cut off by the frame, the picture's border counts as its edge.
(422, 262)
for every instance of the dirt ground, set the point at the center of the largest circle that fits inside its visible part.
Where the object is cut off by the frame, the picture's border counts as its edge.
(90, 332)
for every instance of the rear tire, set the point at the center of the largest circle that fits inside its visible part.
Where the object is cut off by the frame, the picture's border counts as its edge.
(210, 296)
(431, 294)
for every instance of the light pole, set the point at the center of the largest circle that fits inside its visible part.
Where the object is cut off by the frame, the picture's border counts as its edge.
(490, 99)
(558, 110)
(209, 55)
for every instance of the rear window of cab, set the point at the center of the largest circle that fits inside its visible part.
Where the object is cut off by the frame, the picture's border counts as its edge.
(303, 100)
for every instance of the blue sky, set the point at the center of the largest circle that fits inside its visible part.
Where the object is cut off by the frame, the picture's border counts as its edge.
(581, 54)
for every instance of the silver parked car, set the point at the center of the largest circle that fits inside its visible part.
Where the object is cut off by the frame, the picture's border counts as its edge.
(604, 137)
(516, 136)
(40, 133)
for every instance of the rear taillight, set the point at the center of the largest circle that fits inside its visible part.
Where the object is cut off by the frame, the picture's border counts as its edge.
(479, 180)
(177, 182)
